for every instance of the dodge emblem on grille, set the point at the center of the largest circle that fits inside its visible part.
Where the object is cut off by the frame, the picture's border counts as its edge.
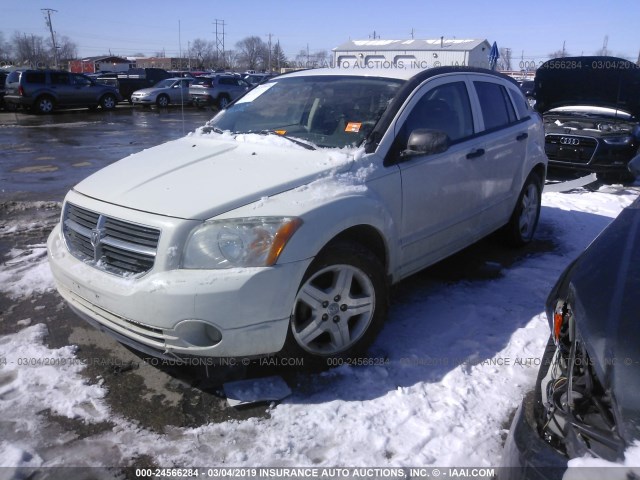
(96, 235)
(569, 141)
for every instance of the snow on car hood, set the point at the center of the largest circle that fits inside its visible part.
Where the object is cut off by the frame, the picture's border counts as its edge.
(201, 176)
(599, 81)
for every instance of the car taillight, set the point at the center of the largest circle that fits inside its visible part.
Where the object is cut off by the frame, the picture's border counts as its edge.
(21, 91)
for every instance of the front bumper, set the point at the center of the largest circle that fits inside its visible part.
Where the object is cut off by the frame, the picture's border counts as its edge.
(143, 100)
(181, 312)
(526, 455)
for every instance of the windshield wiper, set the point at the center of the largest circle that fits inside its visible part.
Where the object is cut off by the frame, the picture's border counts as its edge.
(209, 129)
(308, 146)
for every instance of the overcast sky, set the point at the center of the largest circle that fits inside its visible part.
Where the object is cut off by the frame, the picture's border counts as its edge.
(532, 29)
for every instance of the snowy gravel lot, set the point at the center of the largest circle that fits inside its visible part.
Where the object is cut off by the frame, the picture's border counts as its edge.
(456, 356)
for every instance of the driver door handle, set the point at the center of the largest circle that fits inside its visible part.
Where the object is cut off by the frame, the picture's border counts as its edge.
(476, 153)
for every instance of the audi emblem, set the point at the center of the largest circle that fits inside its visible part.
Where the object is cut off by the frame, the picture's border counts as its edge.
(569, 141)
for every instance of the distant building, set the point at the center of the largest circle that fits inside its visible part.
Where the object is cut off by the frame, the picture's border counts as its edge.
(413, 53)
(100, 64)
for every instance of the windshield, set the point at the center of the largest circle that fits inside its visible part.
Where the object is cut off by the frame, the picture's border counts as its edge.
(164, 83)
(326, 111)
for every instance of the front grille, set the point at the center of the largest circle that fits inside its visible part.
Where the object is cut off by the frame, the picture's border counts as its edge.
(108, 243)
(570, 149)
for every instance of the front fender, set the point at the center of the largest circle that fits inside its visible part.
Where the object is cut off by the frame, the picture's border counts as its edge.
(329, 220)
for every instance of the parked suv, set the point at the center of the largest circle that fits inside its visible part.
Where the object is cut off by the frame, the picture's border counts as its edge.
(280, 226)
(217, 90)
(45, 90)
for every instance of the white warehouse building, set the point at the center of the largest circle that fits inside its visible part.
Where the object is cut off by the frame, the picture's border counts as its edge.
(412, 53)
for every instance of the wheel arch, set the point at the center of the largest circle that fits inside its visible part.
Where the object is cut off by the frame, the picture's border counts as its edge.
(359, 220)
(540, 170)
(366, 236)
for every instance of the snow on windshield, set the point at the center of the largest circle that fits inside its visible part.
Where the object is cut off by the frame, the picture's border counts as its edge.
(325, 111)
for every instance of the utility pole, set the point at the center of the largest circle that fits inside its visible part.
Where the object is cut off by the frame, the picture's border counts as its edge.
(220, 42)
(269, 51)
(47, 20)
(412, 32)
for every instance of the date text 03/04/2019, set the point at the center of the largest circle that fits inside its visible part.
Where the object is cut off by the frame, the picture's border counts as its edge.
(332, 473)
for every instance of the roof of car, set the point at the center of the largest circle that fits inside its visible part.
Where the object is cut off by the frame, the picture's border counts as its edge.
(395, 73)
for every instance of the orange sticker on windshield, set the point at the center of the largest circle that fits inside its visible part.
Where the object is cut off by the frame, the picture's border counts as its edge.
(280, 132)
(353, 127)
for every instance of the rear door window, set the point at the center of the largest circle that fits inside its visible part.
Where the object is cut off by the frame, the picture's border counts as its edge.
(35, 77)
(59, 78)
(497, 110)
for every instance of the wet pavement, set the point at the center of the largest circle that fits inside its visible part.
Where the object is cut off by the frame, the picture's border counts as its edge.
(41, 157)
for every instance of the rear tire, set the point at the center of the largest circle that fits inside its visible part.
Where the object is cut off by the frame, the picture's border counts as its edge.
(524, 219)
(340, 307)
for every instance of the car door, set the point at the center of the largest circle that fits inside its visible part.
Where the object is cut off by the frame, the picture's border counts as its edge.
(60, 83)
(504, 141)
(84, 91)
(180, 91)
(441, 195)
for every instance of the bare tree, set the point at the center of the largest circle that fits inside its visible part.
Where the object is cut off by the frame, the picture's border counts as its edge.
(67, 49)
(230, 60)
(252, 52)
(5, 49)
(312, 60)
(30, 50)
(204, 52)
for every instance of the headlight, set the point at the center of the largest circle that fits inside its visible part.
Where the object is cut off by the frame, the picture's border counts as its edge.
(618, 140)
(242, 242)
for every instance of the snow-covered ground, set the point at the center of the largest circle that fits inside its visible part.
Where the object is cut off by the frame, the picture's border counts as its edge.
(449, 367)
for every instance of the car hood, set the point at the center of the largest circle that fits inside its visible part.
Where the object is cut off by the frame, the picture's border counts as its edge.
(600, 81)
(201, 176)
(151, 90)
(604, 283)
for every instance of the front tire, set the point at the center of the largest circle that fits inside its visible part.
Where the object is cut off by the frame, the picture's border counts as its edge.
(108, 102)
(162, 101)
(524, 219)
(340, 306)
(223, 102)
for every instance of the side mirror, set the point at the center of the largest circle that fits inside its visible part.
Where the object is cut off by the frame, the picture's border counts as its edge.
(634, 166)
(424, 141)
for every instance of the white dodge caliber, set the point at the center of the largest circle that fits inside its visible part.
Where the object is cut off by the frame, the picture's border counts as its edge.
(278, 227)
